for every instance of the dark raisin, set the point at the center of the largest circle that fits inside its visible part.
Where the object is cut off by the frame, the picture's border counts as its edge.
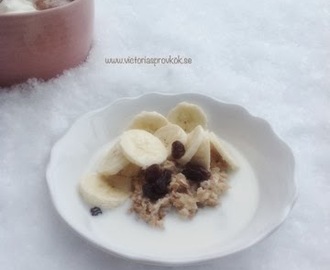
(149, 191)
(152, 173)
(153, 191)
(95, 211)
(195, 172)
(166, 176)
(178, 149)
(157, 189)
(160, 190)
(163, 181)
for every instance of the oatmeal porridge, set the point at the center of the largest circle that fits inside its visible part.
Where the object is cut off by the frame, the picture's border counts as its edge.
(161, 164)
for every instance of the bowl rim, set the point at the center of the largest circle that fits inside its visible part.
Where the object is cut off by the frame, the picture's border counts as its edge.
(176, 262)
(40, 12)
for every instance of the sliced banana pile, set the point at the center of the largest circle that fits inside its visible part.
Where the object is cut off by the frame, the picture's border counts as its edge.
(149, 141)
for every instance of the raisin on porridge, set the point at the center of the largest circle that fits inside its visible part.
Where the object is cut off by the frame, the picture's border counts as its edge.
(183, 188)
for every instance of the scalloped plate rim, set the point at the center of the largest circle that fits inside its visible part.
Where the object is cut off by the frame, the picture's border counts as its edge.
(152, 260)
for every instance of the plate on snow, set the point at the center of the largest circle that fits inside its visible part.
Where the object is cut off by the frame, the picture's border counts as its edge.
(262, 191)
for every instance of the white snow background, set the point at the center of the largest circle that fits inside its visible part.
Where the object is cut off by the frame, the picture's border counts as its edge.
(272, 57)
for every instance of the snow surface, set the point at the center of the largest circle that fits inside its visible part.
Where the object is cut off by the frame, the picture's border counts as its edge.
(271, 57)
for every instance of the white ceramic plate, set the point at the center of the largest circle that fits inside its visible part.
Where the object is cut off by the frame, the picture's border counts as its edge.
(261, 195)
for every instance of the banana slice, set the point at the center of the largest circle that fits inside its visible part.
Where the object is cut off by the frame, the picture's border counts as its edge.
(221, 155)
(131, 170)
(169, 134)
(142, 148)
(194, 140)
(149, 121)
(203, 154)
(188, 116)
(104, 192)
(110, 160)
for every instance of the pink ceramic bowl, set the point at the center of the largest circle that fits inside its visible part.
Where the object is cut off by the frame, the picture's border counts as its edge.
(42, 44)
